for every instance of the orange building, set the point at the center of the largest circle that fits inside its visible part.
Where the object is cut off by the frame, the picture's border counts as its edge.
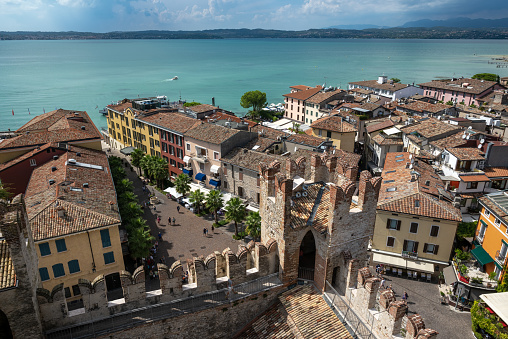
(491, 239)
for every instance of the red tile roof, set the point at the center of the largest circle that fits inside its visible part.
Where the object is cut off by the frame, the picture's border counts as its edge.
(211, 133)
(55, 126)
(429, 128)
(321, 97)
(85, 207)
(305, 139)
(379, 126)
(303, 95)
(386, 86)
(225, 116)
(7, 273)
(173, 121)
(334, 124)
(496, 172)
(450, 141)
(466, 153)
(422, 106)
(474, 177)
(474, 86)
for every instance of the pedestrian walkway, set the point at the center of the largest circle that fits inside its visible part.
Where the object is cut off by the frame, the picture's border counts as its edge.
(184, 239)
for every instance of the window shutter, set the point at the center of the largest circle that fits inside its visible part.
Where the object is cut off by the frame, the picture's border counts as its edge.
(388, 223)
(398, 225)
(404, 247)
(415, 249)
(425, 248)
(436, 247)
(106, 241)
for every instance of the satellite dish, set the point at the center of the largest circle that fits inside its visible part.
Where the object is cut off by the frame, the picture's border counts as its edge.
(479, 146)
(298, 194)
(304, 194)
(482, 141)
(463, 136)
(305, 187)
(467, 137)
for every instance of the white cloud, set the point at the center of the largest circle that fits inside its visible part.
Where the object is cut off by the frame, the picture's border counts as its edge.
(76, 3)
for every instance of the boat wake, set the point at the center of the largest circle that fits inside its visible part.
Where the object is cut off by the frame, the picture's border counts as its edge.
(166, 80)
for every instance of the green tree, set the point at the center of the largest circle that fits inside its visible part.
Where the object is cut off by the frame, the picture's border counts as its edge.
(131, 211)
(486, 76)
(160, 171)
(214, 202)
(182, 183)
(124, 185)
(253, 222)
(450, 103)
(395, 80)
(140, 242)
(235, 211)
(117, 170)
(254, 99)
(4, 191)
(136, 156)
(147, 164)
(192, 103)
(197, 198)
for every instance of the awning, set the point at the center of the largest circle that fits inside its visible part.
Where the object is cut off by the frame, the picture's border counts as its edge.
(200, 177)
(127, 150)
(449, 275)
(187, 171)
(390, 260)
(251, 208)
(481, 255)
(173, 192)
(186, 159)
(226, 197)
(214, 182)
(214, 169)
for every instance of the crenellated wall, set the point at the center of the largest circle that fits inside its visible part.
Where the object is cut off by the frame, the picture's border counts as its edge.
(205, 275)
(386, 313)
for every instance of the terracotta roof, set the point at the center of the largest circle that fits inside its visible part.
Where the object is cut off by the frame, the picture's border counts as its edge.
(271, 324)
(302, 208)
(211, 133)
(173, 121)
(386, 86)
(497, 203)
(379, 126)
(55, 126)
(85, 207)
(400, 193)
(262, 143)
(333, 123)
(348, 159)
(429, 128)
(202, 108)
(303, 95)
(474, 86)
(121, 107)
(267, 132)
(248, 159)
(382, 139)
(450, 141)
(496, 172)
(301, 87)
(422, 106)
(304, 139)
(225, 116)
(7, 273)
(473, 177)
(466, 153)
(321, 97)
(360, 90)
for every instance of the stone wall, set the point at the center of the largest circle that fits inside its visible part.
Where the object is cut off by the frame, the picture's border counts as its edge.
(219, 322)
(205, 275)
(19, 303)
(249, 183)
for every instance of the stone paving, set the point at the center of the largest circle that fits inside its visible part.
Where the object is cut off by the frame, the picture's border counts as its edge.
(424, 299)
(184, 239)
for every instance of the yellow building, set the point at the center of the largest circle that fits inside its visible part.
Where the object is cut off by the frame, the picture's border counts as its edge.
(334, 128)
(73, 213)
(126, 130)
(415, 219)
(62, 126)
(491, 240)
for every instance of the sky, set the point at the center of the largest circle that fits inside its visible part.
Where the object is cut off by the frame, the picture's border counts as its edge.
(136, 15)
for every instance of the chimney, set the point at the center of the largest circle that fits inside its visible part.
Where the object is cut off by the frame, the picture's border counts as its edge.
(61, 211)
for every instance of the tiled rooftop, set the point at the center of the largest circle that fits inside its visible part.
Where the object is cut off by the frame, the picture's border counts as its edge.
(335, 124)
(225, 116)
(496, 172)
(300, 87)
(422, 196)
(55, 126)
(272, 324)
(211, 133)
(474, 86)
(450, 141)
(348, 159)
(25, 156)
(304, 94)
(173, 121)
(422, 106)
(384, 140)
(248, 159)
(321, 97)
(202, 108)
(466, 153)
(85, 207)
(497, 203)
(7, 274)
(429, 128)
(301, 213)
(470, 177)
(121, 107)
(262, 144)
(304, 139)
(379, 126)
(374, 84)
(267, 132)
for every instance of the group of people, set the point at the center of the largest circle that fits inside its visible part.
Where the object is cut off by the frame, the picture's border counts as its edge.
(381, 270)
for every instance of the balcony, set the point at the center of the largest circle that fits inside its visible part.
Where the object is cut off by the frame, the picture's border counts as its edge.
(410, 255)
(500, 257)
(200, 157)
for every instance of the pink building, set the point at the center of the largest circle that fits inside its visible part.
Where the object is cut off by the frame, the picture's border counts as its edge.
(294, 102)
(459, 90)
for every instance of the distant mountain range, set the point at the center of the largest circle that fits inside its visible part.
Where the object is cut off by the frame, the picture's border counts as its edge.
(358, 26)
(459, 22)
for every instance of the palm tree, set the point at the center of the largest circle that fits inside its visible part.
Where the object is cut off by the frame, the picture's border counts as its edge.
(235, 211)
(145, 164)
(160, 170)
(124, 185)
(182, 183)
(140, 242)
(130, 212)
(253, 222)
(197, 198)
(214, 202)
(136, 157)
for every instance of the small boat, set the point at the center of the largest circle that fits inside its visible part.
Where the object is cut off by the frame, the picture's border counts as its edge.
(174, 78)
(103, 111)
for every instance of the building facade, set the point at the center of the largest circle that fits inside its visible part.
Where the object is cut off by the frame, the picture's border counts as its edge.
(334, 128)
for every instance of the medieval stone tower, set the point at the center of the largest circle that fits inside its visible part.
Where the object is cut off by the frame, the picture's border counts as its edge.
(19, 310)
(322, 226)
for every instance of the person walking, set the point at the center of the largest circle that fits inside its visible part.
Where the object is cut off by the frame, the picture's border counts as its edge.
(230, 288)
(213, 228)
(204, 232)
(160, 236)
(178, 209)
(404, 296)
(169, 220)
(382, 283)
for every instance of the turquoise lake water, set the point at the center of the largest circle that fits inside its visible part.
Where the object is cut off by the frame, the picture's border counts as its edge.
(80, 75)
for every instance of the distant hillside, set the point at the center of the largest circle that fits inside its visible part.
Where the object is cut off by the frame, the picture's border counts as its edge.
(358, 26)
(331, 33)
(459, 22)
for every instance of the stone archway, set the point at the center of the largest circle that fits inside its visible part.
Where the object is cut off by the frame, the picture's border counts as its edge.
(113, 286)
(307, 257)
(5, 328)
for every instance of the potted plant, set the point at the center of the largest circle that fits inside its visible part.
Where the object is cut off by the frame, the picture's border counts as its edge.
(492, 277)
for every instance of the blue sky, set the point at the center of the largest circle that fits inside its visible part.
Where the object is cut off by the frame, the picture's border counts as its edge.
(131, 15)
